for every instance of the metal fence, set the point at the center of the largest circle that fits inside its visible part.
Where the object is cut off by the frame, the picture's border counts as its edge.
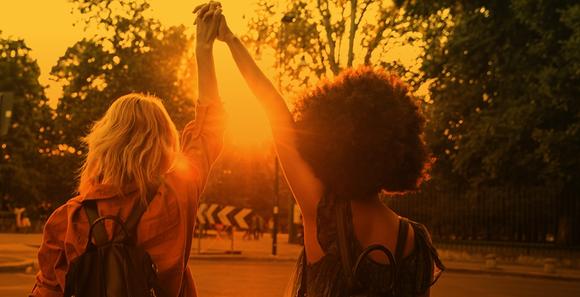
(518, 217)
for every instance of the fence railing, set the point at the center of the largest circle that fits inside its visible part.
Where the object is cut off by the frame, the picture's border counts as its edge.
(525, 217)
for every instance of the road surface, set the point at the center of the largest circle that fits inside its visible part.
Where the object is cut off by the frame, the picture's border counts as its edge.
(253, 279)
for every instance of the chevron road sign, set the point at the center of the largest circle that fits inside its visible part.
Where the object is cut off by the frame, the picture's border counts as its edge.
(227, 215)
(209, 214)
(240, 218)
(200, 213)
(223, 215)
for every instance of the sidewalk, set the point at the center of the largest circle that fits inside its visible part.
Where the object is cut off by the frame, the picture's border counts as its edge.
(18, 252)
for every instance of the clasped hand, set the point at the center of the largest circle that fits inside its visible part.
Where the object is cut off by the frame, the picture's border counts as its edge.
(211, 24)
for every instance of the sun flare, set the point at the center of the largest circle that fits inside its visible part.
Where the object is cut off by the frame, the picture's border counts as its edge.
(247, 125)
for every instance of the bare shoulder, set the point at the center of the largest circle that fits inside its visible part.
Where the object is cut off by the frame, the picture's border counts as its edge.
(410, 244)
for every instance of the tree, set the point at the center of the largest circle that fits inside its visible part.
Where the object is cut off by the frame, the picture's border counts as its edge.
(243, 178)
(131, 53)
(315, 39)
(25, 149)
(504, 83)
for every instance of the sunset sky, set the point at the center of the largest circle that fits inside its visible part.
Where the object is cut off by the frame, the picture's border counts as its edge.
(47, 27)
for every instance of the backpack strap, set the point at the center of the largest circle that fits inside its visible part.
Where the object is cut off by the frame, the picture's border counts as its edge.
(401, 239)
(99, 232)
(343, 245)
(135, 216)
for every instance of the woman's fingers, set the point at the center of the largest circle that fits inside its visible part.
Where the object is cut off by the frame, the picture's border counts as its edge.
(211, 12)
(216, 19)
(206, 11)
(216, 3)
(210, 15)
(201, 10)
(199, 7)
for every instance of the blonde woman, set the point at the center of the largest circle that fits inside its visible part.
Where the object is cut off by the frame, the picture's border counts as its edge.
(135, 151)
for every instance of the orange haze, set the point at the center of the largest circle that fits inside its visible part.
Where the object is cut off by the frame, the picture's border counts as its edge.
(47, 27)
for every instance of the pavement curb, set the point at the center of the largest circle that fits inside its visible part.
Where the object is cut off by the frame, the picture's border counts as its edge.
(225, 257)
(492, 272)
(501, 272)
(18, 265)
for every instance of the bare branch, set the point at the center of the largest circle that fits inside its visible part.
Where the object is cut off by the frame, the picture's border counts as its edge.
(378, 37)
(353, 27)
(341, 33)
(331, 43)
(363, 11)
(321, 52)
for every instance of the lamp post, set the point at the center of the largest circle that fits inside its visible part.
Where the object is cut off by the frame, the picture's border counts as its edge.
(286, 19)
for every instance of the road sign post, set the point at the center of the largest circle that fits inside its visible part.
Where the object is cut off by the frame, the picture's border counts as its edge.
(275, 210)
(292, 222)
(230, 217)
(199, 234)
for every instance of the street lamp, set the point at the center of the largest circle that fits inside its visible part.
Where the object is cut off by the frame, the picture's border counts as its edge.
(286, 19)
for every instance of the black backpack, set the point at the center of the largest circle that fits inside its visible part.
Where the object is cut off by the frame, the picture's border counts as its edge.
(116, 267)
(351, 271)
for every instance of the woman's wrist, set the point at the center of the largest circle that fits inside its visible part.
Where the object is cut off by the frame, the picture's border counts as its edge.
(230, 38)
(204, 47)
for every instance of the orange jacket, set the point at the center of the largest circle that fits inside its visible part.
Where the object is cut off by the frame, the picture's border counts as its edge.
(166, 228)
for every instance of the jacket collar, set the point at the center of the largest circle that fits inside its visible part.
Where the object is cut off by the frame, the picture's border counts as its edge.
(105, 191)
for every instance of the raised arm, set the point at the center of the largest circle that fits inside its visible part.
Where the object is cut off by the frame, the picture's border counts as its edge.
(206, 34)
(202, 139)
(307, 189)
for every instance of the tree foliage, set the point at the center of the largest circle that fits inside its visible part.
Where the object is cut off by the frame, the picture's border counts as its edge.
(24, 150)
(504, 84)
(314, 39)
(503, 76)
(245, 178)
(131, 53)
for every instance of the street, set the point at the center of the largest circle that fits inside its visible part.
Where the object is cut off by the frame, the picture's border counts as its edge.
(263, 278)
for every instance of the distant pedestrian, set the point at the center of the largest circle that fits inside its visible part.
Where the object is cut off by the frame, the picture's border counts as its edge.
(248, 233)
(44, 211)
(255, 227)
(261, 226)
(22, 220)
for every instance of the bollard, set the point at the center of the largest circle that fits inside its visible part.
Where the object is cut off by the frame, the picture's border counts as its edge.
(490, 261)
(550, 265)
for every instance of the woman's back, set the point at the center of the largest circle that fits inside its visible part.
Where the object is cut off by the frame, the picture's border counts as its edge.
(356, 135)
(166, 228)
(368, 224)
(374, 223)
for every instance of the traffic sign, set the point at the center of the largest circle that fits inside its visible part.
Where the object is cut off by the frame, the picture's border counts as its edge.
(227, 215)
(209, 214)
(223, 215)
(240, 218)
(201, 213)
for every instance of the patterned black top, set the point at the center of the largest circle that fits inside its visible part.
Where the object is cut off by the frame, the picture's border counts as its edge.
(417, 271)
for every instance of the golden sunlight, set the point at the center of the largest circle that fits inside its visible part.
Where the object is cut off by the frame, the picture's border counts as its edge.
(247, 126)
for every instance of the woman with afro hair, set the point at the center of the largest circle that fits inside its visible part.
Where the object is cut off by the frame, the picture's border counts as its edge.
(350, 139)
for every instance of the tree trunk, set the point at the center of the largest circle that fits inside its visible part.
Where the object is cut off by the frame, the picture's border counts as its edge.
(353, 27)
